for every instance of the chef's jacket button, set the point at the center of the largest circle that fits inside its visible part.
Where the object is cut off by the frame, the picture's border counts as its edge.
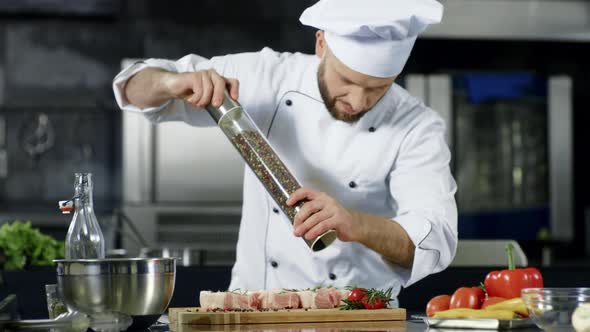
(275, 210)
(372, 129)
(274, 264)
(288, 102)
(332, 276)
(352, 184)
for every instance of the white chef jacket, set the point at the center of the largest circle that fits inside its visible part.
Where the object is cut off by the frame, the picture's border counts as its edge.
(393, 162)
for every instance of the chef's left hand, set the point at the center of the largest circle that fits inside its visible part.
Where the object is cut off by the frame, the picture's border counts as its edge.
(321, 213)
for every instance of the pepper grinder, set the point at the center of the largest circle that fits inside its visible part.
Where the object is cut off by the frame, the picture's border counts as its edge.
(256, 151)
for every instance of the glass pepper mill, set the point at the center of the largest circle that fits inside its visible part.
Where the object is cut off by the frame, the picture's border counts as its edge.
(84, 239)
(245, 136)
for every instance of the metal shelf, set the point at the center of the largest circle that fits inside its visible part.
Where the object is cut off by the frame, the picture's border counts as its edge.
(543, 20)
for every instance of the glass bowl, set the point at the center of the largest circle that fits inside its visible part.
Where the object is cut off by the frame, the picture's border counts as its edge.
(552, 308)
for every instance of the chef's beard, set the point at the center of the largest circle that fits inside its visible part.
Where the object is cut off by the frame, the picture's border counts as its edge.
(330, 102)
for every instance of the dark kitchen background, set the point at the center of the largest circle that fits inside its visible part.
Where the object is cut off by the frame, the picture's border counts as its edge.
(520, 158)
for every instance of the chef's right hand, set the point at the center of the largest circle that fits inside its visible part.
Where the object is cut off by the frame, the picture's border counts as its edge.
(201, 88)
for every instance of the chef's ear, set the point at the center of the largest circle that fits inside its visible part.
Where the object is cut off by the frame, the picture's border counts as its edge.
(320, 44)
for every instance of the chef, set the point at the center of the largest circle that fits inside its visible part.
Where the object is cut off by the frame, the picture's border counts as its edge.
(372, 159)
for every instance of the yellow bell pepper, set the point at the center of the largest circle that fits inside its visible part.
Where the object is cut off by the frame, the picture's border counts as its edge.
(516, 305)
(476, 313)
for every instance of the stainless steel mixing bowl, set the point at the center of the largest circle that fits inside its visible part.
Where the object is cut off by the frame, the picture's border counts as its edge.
(140, 287)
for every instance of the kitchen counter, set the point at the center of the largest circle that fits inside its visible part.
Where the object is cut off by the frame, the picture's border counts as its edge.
(395, 326)
(399, 326)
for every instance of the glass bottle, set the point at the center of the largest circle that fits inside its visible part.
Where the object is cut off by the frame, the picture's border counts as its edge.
(245, 136)
(84, 239)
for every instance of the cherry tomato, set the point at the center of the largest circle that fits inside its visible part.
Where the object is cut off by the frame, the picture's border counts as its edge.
(481, 295)
(437, 303)
(492, 300)
(375, 303)
(356, 294)
(465, 297)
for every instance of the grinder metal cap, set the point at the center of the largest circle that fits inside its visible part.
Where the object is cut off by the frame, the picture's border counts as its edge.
(227, 106)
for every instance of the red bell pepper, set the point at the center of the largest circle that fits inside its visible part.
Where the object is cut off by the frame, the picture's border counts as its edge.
(509, 283)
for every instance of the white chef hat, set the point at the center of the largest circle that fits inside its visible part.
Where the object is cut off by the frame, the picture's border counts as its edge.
(373, 37)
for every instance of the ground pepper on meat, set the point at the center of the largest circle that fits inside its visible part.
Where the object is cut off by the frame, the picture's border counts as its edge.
(269, 169)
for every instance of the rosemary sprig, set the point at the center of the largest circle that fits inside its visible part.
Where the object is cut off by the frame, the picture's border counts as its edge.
(351, 305)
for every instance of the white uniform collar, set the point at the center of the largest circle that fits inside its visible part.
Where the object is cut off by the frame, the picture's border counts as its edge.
(382, 111)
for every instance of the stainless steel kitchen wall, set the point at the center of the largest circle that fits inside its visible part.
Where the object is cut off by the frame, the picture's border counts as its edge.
(59, 59)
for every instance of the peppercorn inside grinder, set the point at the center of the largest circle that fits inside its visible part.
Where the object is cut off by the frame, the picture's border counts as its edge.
(245, 136)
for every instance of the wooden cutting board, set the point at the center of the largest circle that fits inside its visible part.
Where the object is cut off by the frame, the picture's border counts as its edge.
(390, 326)
(198, 316)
